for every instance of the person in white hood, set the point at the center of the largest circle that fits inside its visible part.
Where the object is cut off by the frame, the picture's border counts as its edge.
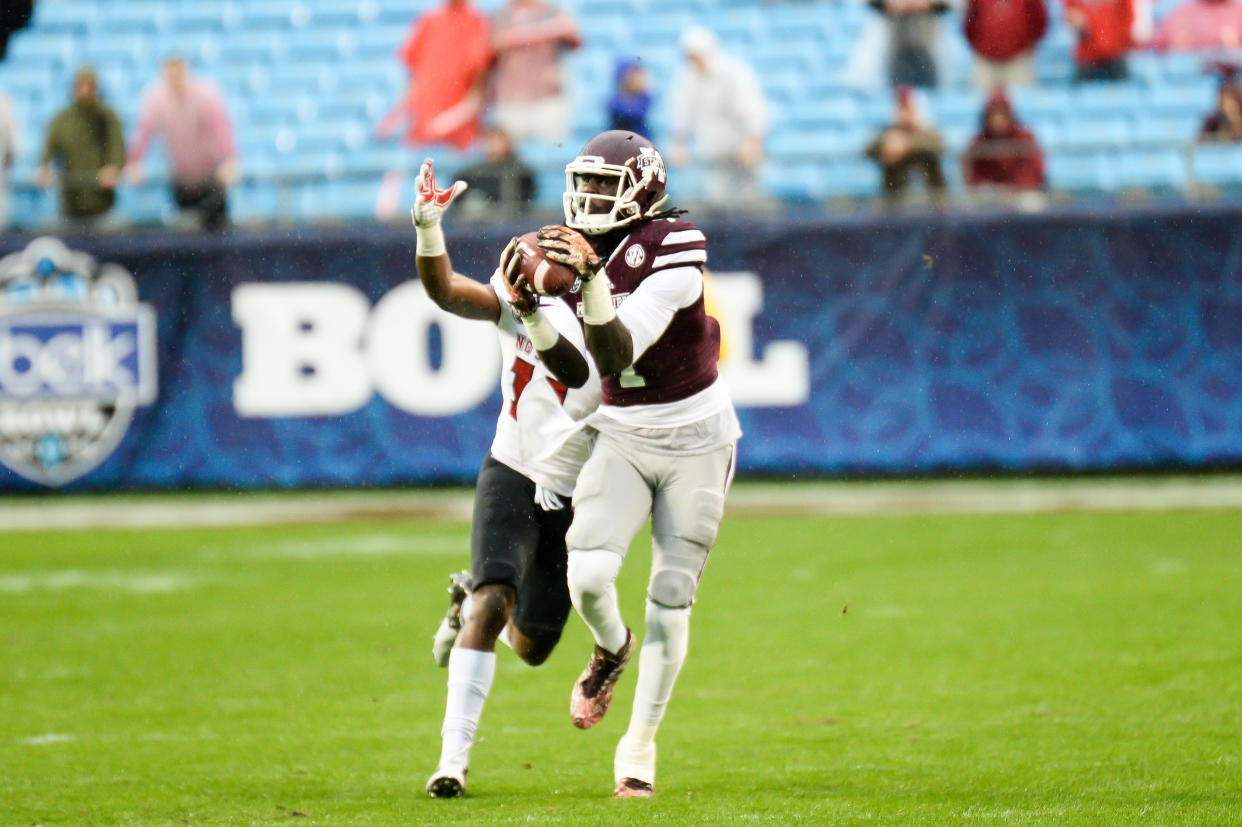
(719, 119)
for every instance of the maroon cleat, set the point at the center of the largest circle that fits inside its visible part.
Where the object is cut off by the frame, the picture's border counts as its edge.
(633, 788)
(593, 691)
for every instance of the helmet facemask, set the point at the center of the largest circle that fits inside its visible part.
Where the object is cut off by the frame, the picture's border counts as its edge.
(594, 213)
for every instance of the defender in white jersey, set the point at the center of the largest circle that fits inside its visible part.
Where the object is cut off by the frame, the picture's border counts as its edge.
(667, 431)
(521, 511)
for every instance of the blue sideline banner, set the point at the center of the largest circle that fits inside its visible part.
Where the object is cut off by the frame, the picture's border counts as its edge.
(1069, 341)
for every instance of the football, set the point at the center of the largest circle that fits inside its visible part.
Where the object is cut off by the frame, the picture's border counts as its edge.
(546, 277)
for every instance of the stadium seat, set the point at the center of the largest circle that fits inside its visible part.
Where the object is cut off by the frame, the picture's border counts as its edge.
(1219, 165)
(1155, 170)
(1085, 173)
(312, 77)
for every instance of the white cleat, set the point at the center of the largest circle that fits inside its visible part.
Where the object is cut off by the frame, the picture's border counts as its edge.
(634, 769)
(447, 782)
(459, 588)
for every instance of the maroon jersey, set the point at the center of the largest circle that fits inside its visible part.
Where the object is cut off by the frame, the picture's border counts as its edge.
(682, 361)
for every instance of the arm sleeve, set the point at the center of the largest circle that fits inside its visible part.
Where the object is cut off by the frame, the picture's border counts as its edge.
(562, 318)
(647, 311)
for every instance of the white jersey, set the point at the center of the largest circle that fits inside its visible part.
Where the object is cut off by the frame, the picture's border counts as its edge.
(539, 432)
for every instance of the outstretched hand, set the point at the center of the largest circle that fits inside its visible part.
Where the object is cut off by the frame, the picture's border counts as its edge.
(431, 201)
(521, 296)
(571, 248)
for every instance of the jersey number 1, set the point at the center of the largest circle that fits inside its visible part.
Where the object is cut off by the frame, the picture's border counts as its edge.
(630, 378)
(522, 373)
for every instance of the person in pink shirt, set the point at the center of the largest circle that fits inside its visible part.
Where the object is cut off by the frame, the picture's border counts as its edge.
(1201, 24)
(530, 38)
(189, 114)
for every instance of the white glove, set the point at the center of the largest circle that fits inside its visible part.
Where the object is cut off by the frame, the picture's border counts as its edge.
(547, 499)
(431, 202)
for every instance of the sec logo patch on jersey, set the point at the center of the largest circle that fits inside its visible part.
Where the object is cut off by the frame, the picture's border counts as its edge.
(635, 255)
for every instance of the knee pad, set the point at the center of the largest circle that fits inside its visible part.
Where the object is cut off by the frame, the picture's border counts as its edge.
(672, 589)
(676, 564)
(592, 573)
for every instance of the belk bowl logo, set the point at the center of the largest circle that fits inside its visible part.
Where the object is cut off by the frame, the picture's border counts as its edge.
(77, 355)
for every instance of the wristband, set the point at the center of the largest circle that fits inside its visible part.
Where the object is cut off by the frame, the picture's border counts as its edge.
(430, 240)
(540, 332)
(597, 306)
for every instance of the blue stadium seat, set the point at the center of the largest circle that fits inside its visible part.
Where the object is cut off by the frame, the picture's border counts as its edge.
(1157, 170)
(149, 203)
(149, 16)
(1106, 98)
(858, 178)
(1043, 104)
(38, 50)
(1085, 174)
(1218, 164)
(307, 80)
(72, 18)
(1097, 133)
(1162, 132)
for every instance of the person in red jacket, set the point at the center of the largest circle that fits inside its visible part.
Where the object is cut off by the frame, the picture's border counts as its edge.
(1003, 34)
(1004, 158)
(1103, 28)
(448, 54)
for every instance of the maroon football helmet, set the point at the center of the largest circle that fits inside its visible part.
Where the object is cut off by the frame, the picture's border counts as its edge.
(625, 159)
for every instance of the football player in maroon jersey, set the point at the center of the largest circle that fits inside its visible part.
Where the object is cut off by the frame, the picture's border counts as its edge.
(667, 431)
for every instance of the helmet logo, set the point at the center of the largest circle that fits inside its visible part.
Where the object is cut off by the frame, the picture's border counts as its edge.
(650, 164)
(635, 255)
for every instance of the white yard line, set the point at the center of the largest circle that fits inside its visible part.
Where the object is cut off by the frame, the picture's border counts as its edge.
(1004, 496)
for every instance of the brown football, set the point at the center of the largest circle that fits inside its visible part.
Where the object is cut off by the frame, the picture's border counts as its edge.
(546, 277)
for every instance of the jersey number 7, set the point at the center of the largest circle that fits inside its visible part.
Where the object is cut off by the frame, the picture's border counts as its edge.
(522, 373)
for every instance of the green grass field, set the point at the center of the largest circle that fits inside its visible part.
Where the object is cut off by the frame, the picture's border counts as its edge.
(1052, 669)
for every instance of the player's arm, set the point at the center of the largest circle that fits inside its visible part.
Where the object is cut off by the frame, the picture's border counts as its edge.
(564, 361)
(608, 340)
(616, 337)
(451, 291)
(559, 355)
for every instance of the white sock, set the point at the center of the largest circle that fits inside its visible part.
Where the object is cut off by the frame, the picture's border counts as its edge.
(470, 675)
(592, 585)
(659, 662)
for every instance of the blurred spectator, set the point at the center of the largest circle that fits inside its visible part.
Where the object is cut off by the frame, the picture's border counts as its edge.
(447, 53)
(189, 114)
(1201, 24)
(528, 86)
(1225, 124)
(1104, 35)
(14, 16)
(908, 146)
(631, 100)
(913, 29)
(1004, 158)
(9, 147)
(87, 145)
(500, 185)
(1003, 34)
(719, 118)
